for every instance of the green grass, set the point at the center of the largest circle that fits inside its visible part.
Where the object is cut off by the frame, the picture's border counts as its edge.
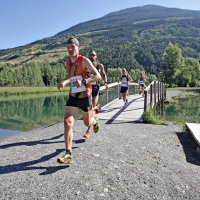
(149, 117)
(17, 91)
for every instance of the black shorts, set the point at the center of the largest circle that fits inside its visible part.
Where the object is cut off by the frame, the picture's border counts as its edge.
(123, 89)
(95, 90)
(141, 85)
(85, 104)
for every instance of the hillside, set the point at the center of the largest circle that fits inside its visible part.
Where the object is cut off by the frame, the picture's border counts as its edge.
(131, 38)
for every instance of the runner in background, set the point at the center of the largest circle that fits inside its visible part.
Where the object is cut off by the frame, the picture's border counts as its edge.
(96, 87)
(141, 82)
(124, 79)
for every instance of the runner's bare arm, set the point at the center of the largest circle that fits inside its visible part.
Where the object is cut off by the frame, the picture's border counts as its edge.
(119, 79)
(88, 66)
(130, 79)
(103, 73)
(63, 84)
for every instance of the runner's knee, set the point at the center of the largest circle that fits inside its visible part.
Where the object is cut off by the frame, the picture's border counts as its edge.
(68, 122)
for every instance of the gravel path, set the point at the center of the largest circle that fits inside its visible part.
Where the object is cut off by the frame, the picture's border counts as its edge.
(123, 161)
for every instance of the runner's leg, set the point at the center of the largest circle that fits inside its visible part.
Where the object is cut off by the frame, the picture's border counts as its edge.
(69, 116)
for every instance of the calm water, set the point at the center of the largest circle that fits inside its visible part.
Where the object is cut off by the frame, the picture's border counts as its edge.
(186, 110)
(28, 114)
(23, 115)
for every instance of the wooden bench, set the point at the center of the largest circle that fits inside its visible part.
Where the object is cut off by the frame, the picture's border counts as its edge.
(194, 129)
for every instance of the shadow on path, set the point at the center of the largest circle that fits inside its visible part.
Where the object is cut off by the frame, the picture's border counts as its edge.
(110, 121)
(189, 147)
(32, 143)
(27, 165)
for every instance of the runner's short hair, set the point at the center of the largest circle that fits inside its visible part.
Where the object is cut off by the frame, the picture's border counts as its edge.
(73, 40)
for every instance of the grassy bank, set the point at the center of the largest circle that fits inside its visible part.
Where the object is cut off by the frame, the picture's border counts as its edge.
(17, 91)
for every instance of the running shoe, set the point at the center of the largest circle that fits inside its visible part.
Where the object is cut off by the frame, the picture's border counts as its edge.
(66, 159)
(126, 103)
(98, 109)
(96, 126)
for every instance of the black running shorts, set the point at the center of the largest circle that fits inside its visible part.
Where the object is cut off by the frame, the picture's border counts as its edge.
(123, 89)
(95, 90)
(85, 104)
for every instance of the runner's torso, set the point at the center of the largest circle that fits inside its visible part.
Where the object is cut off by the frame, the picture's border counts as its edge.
(141, 80)
(124, 80)
(75, 71)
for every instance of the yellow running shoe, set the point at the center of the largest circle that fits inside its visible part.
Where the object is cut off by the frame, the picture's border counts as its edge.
(96, 126)
(65, 159)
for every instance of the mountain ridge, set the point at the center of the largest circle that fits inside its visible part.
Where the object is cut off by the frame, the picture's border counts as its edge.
(132, 38)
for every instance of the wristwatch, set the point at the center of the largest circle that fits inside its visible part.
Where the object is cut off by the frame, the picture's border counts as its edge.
(84, 82)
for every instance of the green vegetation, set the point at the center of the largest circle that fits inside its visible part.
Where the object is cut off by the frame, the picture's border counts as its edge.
(134, 38)
(179, 71)
(170, 101)
(32, 74)
(7, 91)
(150, 117)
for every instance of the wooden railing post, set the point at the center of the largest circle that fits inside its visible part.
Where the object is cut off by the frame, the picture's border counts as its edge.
(163, 91)
(158, 91)
(119, 96)
(145, 101)
(154, 93)
(151, 97)
(106, 96)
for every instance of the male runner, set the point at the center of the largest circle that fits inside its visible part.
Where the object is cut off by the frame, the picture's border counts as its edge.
(80, 97)
(96, 86)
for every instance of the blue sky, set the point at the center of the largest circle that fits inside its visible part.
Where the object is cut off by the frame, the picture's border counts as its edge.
(25, 21)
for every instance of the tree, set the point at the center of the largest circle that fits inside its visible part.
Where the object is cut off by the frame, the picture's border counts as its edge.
(113, 74)
(172, 63)
(193, 67)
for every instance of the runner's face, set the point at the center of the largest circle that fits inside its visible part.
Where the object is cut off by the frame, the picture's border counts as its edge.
(72, 50)
(93, 56)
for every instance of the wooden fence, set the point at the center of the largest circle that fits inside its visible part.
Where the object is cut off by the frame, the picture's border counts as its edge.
(154, 93)
(113, 91)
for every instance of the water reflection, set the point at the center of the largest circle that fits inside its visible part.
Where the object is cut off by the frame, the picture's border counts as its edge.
(28, 114)
(186, 110)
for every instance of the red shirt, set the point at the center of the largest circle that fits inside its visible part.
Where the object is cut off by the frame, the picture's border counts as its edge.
(76, 69)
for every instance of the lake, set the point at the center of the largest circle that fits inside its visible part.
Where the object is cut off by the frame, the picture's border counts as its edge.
(17, 116)
(21, 115)
(27, 114)
(187, 109)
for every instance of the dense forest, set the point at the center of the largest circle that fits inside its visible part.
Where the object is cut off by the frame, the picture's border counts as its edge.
(134, 38)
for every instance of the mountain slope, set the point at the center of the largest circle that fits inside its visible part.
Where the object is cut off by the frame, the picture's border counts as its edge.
(130, 38)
